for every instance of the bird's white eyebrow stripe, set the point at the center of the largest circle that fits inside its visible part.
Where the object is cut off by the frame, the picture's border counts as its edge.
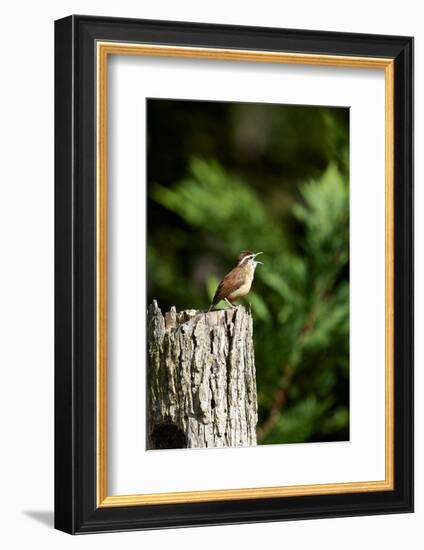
(246, 258)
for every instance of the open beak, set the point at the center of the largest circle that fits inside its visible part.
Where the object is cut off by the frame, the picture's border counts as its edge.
(257, 254)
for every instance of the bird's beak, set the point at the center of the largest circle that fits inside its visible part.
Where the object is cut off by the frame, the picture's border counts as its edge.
(257, 254)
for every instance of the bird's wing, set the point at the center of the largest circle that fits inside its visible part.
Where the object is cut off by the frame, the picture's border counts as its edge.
(229, 284)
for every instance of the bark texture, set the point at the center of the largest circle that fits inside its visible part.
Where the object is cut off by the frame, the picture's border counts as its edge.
(201, 379)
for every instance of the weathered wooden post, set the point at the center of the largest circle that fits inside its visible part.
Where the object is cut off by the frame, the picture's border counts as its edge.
(201, 379)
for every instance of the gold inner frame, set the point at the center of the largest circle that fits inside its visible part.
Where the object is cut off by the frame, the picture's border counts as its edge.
(104, 49)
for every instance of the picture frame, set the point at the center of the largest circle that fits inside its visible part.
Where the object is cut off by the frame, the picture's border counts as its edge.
(83, 45)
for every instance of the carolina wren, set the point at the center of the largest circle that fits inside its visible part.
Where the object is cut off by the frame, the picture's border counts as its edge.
(238, 281)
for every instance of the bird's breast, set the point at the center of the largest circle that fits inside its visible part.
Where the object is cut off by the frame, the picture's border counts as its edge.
(244, 288)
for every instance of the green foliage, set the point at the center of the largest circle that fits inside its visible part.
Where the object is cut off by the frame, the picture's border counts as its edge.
(300, 298)
(216, 202)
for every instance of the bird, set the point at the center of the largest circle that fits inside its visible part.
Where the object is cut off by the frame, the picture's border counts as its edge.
(238, 281)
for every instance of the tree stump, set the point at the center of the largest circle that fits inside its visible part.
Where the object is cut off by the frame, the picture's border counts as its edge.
(201, 379)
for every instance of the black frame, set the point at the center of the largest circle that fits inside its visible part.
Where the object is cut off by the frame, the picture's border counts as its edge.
(75, 275)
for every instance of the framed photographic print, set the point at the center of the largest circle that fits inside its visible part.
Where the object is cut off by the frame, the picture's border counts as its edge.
(234, 274)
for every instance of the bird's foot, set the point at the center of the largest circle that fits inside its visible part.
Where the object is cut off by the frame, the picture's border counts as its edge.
(232, 306)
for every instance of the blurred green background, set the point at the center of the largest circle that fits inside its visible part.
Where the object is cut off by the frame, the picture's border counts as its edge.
(224, 177)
